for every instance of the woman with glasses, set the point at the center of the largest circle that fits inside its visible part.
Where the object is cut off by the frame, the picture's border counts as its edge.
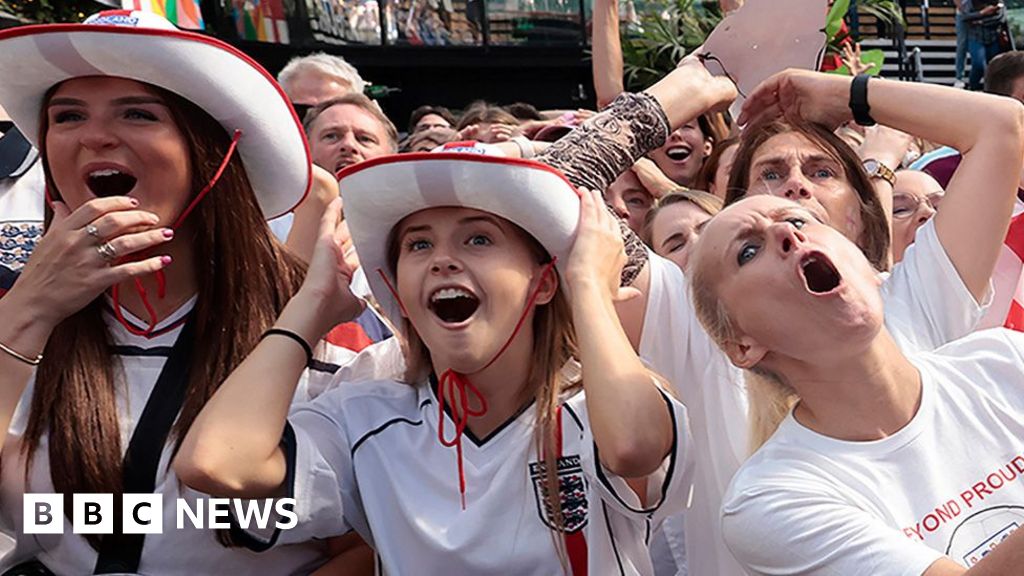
(915, 199)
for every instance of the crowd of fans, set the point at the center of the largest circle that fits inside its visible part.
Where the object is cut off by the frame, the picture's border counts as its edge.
(648, 339)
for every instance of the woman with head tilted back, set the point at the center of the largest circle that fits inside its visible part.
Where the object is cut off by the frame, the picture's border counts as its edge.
(876, 468)
(495, 453)
(156, 275)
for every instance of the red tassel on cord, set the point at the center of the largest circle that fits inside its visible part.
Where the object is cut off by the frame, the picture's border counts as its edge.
(161, 278)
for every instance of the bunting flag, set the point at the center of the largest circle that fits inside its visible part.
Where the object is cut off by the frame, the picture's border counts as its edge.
(181, 13)
(260, 20)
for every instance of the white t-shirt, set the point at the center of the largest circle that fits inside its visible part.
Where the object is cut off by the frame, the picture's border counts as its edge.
(926, 306)
(951, 482)
(175, 552)
(366, 457)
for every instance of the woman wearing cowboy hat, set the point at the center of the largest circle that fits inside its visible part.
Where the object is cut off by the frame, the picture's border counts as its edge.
(494, 454)
(165, 153)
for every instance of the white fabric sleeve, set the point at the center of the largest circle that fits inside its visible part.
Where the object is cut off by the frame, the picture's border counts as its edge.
(808, 531)
(319, 477)
(666, 487)
(927, 304)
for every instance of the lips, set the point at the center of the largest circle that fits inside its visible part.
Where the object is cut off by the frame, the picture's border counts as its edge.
(109, 180)
(345, 162)
(453, 304)
(819, 273)
(678, 153)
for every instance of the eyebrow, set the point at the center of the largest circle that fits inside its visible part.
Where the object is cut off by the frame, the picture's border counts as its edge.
(65, 101)
(781, 160)
(462, 221)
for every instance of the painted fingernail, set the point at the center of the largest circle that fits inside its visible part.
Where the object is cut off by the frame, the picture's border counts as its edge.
(165, 260)
(168, 233)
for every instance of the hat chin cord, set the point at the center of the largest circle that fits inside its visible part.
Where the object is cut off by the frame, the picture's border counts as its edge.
(455, 387)
(161, 278)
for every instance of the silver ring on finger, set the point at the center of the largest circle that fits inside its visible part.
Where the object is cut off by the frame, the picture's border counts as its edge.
(94, 232)
(107, 251)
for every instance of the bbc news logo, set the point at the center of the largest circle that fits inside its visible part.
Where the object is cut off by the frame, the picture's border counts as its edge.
(143, 513)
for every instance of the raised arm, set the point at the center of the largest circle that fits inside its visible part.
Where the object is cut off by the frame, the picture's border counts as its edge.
(233, 447)
(631, 425)
(988, 130)
(606, 59)
(65, 273)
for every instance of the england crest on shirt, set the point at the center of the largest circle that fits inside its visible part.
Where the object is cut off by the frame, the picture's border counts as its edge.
(572, 497)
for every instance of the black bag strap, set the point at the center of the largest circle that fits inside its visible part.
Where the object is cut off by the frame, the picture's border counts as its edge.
(121, 552)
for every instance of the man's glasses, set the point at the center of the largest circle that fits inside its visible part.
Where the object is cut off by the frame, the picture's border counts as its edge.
(907, 205)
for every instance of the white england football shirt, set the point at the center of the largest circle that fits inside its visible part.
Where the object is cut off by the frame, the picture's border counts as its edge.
(186, 552)
(366, 457)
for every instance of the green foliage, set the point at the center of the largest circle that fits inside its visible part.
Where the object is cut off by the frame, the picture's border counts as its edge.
(46, 11)
(653, 46)
(834, 21)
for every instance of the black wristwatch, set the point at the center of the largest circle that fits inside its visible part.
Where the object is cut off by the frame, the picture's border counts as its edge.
(859, 101)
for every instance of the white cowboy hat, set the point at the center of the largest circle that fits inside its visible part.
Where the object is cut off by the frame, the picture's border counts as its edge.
(379, 193)
(224, 82)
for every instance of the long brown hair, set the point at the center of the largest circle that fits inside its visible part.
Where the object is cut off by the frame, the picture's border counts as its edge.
(244, 278)
(554, 370)
(874, 240)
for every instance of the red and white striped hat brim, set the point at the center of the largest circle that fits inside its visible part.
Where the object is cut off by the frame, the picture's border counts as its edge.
(379, 193)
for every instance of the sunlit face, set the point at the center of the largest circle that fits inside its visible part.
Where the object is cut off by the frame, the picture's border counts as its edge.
(915, 198)
(346, 134)
(110, 136)
(793, 287)
(464, 277)
(311, 88)
(683, 154)
(630, 200)
(675, 230)
(791, 166)
(429, 121)
(720, 185)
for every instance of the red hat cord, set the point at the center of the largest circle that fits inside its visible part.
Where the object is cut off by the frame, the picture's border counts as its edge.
(161, 278)
(452, 383)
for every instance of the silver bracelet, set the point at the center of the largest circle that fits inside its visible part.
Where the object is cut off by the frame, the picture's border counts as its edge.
(17, 355)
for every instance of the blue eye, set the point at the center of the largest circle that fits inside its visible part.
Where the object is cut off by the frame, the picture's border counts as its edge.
(797, 223)
(480, 240)
(770, 175)
(417, 245)
(746, 254)
(823, 173)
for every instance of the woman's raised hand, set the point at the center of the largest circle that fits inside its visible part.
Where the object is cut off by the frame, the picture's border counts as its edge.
(598, 254)
(330, 273)
(85, 252)
(800, 95)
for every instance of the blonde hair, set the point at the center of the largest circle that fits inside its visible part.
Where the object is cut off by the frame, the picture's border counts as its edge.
(770, 399)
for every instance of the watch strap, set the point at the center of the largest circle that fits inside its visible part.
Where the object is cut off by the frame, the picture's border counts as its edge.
(859, 101)
(879, 170)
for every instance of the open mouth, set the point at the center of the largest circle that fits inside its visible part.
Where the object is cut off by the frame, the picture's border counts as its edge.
(678, 153)
(110, 182)
(820, 275)
(345, 163)
(453, 305)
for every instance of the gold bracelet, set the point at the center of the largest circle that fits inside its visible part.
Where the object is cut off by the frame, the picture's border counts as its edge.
(30, 361)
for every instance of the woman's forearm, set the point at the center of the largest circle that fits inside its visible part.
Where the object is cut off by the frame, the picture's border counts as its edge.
(25, 332)
(606, 58)
(628, 415)
(232, 448)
